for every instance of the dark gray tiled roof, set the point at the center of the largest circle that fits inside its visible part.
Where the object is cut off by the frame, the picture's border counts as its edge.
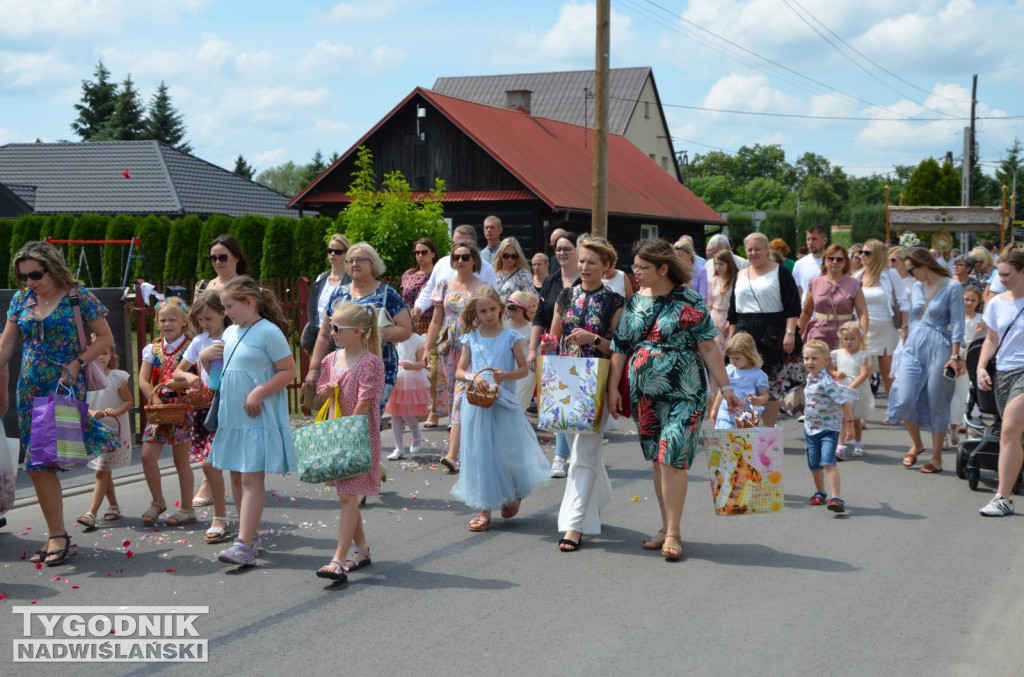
(559, 96)
(76, 178)
(16, 200)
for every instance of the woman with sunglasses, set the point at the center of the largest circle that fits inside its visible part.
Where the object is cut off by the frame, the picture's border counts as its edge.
(856, 264)
(424, 253)
(566, 276)
(886, 296)
(449, 299)
(365, 267)
(511, 269)
(322, 288)
(228, 263)
(832, 298)
(42, 316)
(922, 392)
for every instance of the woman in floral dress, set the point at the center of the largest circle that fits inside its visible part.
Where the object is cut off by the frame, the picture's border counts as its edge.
(583, 323)
(42, 317)
(425, 252)
(452, 295)
(511, 269)
(668, 331)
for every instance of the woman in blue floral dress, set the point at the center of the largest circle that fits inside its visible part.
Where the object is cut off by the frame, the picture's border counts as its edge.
(42, 316)
(667, 331)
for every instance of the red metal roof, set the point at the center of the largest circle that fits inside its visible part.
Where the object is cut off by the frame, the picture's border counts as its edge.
(334, 196)
(554, 161)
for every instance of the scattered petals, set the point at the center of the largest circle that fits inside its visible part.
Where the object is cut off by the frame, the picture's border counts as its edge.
(34, 601)
(24, 553)
(74, 587)
(39, 565)
(126, 174)
(635, 498)
(126, 543)
(170, 571)
(129, 554)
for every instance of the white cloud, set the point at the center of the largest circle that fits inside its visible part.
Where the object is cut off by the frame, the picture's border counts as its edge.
(32, 69)
(87, 18)
(367, 10)
(749, 93)
(12, 136)
(570, 39)
(330, 127)
(269, 158)
(331, 59)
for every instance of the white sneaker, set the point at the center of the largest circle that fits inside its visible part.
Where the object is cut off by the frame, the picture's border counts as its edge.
(560, 467)
(414, 446)
(997, 507)
(396, 454)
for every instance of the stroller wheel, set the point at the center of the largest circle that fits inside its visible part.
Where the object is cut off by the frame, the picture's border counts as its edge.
(961, 462)
(973, 475)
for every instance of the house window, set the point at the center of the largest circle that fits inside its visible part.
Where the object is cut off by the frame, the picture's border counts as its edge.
(648, 231)
(448, 222)
(664, 163)
(654, 158)
(647, 109)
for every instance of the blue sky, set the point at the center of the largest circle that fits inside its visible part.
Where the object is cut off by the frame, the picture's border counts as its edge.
(276, 81)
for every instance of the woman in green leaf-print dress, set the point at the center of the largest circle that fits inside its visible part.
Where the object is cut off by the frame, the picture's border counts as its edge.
(667, 332)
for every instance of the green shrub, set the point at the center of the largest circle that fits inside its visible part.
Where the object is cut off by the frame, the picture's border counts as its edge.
(310, 245)
(182, 245)
(88, 227)
(6, 255)
(811, 214)
(115, 256)
(154, 231)
(249, 230)
(26, 228)
(868, 222)
(57, 227)
(741, 224)
(278, 253)
(217, 224)
(781, 223)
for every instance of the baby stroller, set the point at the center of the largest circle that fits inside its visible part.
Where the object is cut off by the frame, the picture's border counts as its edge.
(981, 452)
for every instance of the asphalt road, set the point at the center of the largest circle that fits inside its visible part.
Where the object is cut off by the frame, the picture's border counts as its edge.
(910, 581)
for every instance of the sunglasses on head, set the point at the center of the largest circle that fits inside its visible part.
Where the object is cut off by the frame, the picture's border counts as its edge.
(461, 257)
(34, 275)
(223, 258)
(339, 252)
(513, 255)
(837, 259)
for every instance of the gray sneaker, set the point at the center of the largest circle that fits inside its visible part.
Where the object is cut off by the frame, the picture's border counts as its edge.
(257, 545)
(238, 553)
(997, 507)
(560, 467)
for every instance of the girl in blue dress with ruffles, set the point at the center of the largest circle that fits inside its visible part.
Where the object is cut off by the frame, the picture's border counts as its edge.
(501, 460)
(253, 436)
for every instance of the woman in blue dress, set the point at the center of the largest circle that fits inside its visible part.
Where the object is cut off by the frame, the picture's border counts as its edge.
(922, 394)
(42, 316)
(366, 268)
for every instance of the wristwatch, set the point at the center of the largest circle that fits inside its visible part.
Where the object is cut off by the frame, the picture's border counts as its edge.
(789, 331)
(597, 340)
(81, 362)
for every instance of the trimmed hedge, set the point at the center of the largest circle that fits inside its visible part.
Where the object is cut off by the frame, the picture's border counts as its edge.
(115, 256)
(87, 227)
(249, 230)
(278, 249)
(217, 224)
(184, 237)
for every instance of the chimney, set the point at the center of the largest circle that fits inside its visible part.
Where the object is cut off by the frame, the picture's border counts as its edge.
(518, 98)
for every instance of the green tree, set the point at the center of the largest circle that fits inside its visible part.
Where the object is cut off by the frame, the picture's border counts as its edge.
(810, 214)
(921, 187)
(115, 256)
(26, 228)
(155, 232)
(764, 161)
(57, 226)
(309, 172)
(762, 193)
(6, 253)
(127, 123)
(868, 222)
(182, 244)
(243, 168)
(715, 163)
(716, 191)
(741, 224)
(950, 185)
(249, 230)
(781, 223)
(97, 104)
(217, 224)
(164, 123)
(310, 236)
(818, 190)
(389, 219)
(88, 227)
(282, 178)
(278, 253)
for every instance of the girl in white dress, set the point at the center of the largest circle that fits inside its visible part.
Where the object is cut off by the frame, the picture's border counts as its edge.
(852, 367)
(973, 326)
(110, 406)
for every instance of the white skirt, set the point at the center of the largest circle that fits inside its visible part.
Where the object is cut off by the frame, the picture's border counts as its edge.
(882, 337)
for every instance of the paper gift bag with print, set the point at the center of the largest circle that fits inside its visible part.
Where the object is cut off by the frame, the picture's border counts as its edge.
(8, 472)
(58, 431)
(333, 448)
(571, 393)
(745, 469)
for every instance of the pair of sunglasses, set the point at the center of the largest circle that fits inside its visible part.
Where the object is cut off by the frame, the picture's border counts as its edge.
(34, 275)
(339, 252)
(462, 257)
(335, 328)
(513, 255)
(223, 258)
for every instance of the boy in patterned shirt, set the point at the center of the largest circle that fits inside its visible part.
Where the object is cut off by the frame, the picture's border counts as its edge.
(826, 410)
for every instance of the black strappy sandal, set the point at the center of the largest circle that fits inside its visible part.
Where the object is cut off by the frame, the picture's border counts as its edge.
(61, 554)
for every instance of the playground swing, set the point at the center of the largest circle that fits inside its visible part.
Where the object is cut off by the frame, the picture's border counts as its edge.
(135, 252)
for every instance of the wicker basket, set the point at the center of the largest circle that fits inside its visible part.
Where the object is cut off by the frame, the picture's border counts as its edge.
(172, 413)
(421, 327)
(748, 418)
(481, 398)
(198, 399)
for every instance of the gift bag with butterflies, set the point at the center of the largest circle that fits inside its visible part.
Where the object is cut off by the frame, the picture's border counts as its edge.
(571, 393)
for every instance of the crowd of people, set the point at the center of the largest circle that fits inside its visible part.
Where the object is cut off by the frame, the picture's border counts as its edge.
(697, 339)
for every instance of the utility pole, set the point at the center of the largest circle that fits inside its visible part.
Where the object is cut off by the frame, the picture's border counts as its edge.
(599, 208)
(967, 166)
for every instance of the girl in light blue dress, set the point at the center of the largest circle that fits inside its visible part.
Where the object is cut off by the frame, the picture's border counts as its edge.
(921, 394)
(253, 435)
(745, 377)
(501, 460)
